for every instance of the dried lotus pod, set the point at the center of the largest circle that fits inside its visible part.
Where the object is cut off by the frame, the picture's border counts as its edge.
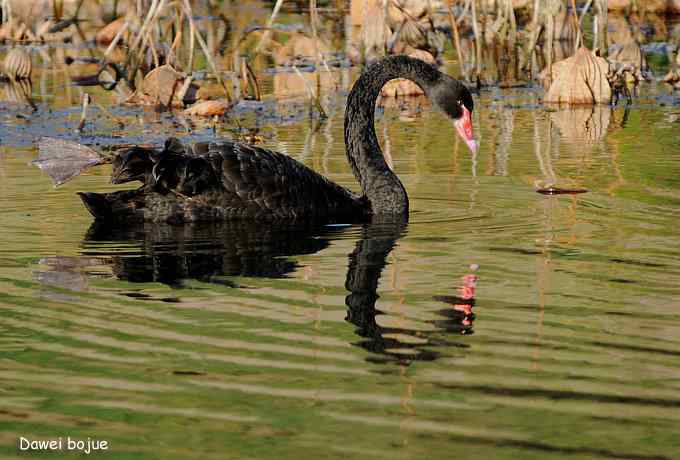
(17, 64)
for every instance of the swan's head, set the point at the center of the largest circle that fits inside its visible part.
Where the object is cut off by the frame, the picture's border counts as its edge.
(455, 100)
(131, 165)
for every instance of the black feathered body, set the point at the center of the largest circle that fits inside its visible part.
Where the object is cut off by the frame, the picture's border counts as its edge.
(228, 180)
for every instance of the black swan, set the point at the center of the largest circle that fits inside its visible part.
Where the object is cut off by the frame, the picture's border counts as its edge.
(227, 180)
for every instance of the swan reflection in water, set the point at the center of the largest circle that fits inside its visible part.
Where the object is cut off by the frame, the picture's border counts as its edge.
(210, 252)
(216, 252)
(404, 345)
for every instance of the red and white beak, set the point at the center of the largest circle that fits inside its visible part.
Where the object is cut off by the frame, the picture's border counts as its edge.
(464, 128)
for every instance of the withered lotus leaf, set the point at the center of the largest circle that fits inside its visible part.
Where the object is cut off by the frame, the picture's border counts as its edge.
(580, 80)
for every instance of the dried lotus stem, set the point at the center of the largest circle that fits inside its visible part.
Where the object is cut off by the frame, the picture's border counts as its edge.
(83, 115)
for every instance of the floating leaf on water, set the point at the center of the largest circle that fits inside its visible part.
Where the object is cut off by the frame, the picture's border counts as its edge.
(561, 191)
(63, 160)
(192, 373)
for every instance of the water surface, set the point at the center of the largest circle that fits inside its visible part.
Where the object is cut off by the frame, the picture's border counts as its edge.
(497, 323)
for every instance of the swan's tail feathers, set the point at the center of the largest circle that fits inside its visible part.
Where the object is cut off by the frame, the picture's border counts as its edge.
(63, 160)
(97, 204)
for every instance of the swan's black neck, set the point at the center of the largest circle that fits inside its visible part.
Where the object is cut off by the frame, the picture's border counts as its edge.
(379, 184)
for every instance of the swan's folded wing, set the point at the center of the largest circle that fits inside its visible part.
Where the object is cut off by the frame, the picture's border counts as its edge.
(256, 180)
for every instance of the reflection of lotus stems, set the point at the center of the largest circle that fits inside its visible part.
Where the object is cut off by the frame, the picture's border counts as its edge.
(505, 139)
(408, 396)
(328, 136)
(456, 158)
(473, 166)
(308, 145)
(387, 150)
(620, 180)
(310, 91)
(250, 79)
(543, 282)
(60, 52)
(544, 161)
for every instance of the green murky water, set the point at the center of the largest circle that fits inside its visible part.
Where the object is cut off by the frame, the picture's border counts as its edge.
(505, 324)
